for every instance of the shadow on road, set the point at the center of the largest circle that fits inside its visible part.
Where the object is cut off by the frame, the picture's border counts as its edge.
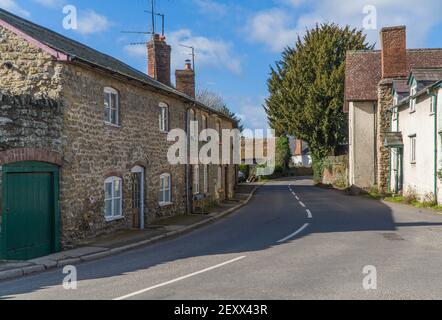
(273, 214)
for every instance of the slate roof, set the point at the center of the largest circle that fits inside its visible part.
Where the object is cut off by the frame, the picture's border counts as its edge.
(82, 53)
(427, 74)
(363, 71)
(401, 86)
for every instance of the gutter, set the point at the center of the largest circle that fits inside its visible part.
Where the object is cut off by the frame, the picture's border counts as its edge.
(434, 96)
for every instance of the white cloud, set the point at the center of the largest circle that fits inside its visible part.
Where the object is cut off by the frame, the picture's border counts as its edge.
(90, 22)
(279, 27)
(211, 7)
(12, 6)
(209, 53)
(139, 51)
(50, 3)
(214, 53)
(274, 28)
(251, 113)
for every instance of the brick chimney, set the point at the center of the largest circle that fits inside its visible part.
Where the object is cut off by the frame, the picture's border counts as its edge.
(394, 52)
(185, 80)
(158, 54)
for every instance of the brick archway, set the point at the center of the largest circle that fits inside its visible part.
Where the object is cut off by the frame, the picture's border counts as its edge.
(30, 154)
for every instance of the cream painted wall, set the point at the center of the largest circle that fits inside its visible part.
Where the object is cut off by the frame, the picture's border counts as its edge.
(362, 144)
(419, 176)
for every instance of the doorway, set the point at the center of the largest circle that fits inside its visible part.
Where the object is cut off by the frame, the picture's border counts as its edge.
(30, 211)
(137, 177)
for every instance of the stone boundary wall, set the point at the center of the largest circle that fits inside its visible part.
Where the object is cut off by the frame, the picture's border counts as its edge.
(336, 171)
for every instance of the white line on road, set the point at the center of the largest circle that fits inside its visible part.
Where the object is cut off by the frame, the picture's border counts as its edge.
(302, 204)
(179, 279)
(309, 214)
(294, 234)
(297, 198)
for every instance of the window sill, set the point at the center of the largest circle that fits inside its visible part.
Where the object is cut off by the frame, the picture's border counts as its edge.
(412, 111)
(165, 204)
(413, 163)
(113, 125)
(432, 114)
(164, 132)
(110, 219)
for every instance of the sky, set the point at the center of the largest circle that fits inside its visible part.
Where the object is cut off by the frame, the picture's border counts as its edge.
(236, 41)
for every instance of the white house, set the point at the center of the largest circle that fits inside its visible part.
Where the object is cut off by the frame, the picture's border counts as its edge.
(415, 140)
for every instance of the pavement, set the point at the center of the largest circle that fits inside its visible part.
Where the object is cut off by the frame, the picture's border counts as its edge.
(128, 239)
(291, 241)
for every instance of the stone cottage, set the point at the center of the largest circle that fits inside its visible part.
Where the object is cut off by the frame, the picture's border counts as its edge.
(369, 79)
(83, 141)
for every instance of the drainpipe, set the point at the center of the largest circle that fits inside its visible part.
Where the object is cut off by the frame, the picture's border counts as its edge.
(434, 96)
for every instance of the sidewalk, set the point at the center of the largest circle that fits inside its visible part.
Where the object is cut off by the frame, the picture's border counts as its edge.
(127, 239)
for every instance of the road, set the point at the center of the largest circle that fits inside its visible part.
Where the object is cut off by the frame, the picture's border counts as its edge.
(276, 247)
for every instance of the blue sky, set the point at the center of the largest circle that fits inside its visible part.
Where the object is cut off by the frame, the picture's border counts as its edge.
(236, 41)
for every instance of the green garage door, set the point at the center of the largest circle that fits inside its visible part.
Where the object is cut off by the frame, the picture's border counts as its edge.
(30, 210)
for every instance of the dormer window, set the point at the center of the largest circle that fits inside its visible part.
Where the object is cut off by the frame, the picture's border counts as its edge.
(413, 91)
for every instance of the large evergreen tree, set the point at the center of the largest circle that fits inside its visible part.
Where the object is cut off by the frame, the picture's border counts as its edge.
(307, 88)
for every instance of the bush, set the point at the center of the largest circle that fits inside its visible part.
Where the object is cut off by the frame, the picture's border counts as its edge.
(411, 196)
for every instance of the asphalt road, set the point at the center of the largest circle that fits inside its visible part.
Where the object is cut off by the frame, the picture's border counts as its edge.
(276, 247)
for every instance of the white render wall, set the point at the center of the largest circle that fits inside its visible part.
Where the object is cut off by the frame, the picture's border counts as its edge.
(362, 144)
(418, 177)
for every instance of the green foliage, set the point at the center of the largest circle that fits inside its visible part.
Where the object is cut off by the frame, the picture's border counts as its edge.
(307, 89)
(283, 154)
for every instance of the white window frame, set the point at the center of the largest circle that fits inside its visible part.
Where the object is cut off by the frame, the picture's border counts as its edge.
(109, 92)
(163, 117)
(113, 197)
(206, 178)
(413, 91)
(413, 149)
(196, 179)
(163, 199)
(193, 125)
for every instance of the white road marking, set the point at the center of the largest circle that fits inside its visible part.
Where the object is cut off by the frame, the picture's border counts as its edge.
(309, 214)
(302, 204)
(297, 198)
(294, 234)
(178, 279)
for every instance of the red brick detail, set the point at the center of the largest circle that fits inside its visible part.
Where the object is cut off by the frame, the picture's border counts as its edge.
(30, 154)
(394, 52)
(158, 54)
(185, 82)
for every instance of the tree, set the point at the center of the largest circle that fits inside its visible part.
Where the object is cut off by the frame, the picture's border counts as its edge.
(210, 99)
(225, 110)
(283, 154)
(307, 88)
(215, 101)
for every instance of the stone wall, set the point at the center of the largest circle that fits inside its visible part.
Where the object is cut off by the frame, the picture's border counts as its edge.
(59, 107)
(27, 121)
(34, 71)
(385, 101)
(94, 150)
(30, 129)
(336, 171)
